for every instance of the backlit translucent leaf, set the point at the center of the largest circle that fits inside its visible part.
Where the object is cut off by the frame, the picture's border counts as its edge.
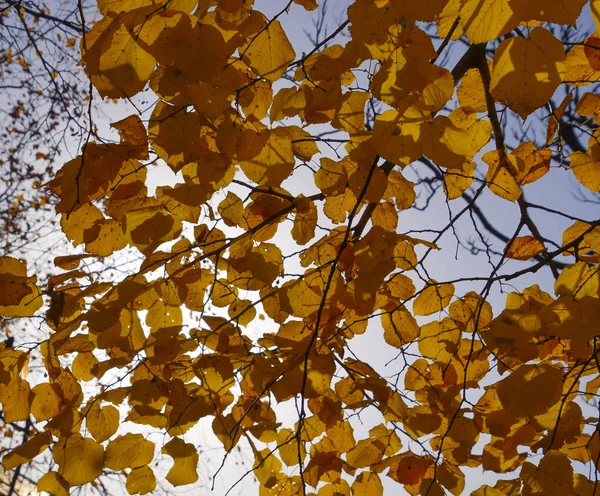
(527, 71)
(557, 11)
(399, 328)
(270, 52)
(80, 460)
(530, 389)
(586, 166)
(27, 451)
(46, 403)
(185, 458)
(485, 20)
(433, 298)
(53, 483)
(524, 248)
(102, 422)
(19, 295)
(15, 398)
(129, 450)
(140, 481)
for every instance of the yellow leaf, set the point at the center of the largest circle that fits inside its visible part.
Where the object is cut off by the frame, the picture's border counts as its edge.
(401, 190)
(102, 422)
(175, 135)
(232, 210)
(307, 4)
(586, 166)
(27, 451)
(433, 298)
(19, 295)
(502, 175)
(129, 450)
(524, 248)
(385, 216)
(53, 483)
(270, 52)
(185, 458)
(46, 403)
(273, 163)
(70, 262)
(192, 37)
(578, 280)
(256, 99)
(305, 221)
(15, 398)
(556, 11)
(471, 93)
(367, 484)
(350, 116)
(456, 182)
(531, 163)
(555, 117)
(304, 144)
(530, 389)
(578, 71)
(288, 102)
(396, 136)
(527, 71)
(80, 460)
(407, 78)
(83, 366)
(127, 65)
(452, 141)
(399, 328)
(331, 177)
(140, 481)
(439, 340)
(485, 20)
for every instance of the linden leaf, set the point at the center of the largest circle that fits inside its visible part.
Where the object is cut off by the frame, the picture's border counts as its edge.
(127, 65)
(129, 450)
(554, 118)
(307, 4)
(578, 280)
(367, 484)
(471, 92)
(530, 389)
(80, 460)
(524, 248)
(46, 403)
(27, 451)
(399, 328)
(527, 71)
(485, 20)
(586, 166)
(19, 295)
(434, 298)
(456, 182)
(140, 481)
(439, 341)
(557, 11)
(502, 175)
(15, 398)
(270, 52)
(102, 422)
(305, 221)
(53, 483)
(274, 163)
(185, 458)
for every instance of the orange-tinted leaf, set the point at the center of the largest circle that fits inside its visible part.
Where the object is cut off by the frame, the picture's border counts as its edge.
(524, 248)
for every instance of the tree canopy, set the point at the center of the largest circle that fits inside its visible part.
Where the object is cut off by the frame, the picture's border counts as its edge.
(264, 189)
